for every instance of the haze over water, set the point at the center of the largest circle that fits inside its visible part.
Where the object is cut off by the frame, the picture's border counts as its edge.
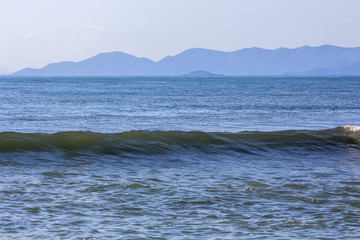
(179, 157)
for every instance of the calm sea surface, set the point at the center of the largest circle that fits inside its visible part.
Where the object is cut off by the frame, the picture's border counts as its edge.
(180, 158)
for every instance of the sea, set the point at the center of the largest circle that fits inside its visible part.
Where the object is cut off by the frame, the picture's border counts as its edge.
(269, 157)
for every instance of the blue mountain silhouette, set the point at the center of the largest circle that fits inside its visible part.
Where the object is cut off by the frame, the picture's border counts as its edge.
(323, 60)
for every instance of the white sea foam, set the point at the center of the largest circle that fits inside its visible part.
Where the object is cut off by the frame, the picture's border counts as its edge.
(352, 128)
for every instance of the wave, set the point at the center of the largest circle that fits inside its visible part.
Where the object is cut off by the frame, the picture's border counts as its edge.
(157, 142)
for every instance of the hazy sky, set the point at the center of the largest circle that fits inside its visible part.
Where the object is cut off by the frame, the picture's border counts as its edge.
(34, 33)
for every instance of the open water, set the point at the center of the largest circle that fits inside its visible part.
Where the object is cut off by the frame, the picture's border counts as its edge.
(180, 158)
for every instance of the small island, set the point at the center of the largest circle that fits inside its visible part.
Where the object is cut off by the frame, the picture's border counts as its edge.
(202, 73)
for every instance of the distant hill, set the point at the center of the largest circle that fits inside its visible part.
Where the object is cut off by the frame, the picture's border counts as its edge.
(201, 73)
(343, 68)
(323, 60)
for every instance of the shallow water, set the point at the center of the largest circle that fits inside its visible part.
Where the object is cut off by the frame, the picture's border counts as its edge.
(169, 158)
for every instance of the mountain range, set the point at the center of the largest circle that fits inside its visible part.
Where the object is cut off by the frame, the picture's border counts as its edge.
(322, 60)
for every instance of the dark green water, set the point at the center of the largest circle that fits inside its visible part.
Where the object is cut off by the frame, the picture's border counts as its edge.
(180, 158)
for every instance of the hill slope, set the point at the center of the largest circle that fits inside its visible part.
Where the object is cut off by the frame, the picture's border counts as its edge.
(323, 60)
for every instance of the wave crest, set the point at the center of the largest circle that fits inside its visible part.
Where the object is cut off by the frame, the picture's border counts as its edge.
(352, 130)
(157, 142)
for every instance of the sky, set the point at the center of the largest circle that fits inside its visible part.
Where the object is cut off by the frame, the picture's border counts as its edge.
(34, 33)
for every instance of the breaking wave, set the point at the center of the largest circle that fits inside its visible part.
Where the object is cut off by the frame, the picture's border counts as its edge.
(158, 142)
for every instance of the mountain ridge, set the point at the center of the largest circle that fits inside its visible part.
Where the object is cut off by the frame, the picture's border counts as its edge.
(305, 60)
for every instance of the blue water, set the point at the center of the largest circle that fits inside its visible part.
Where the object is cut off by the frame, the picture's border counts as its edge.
(180, 158)
(200, 104)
